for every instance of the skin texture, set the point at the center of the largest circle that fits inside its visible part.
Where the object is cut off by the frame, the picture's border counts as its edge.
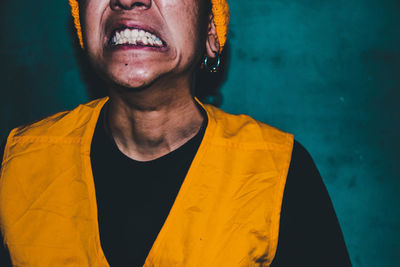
(151, 109)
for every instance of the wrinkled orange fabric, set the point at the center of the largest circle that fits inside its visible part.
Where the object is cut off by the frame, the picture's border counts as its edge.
(220, 11)
(226, 212)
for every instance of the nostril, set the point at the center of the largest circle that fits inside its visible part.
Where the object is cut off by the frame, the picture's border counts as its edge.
(130, 4)
(138, 4)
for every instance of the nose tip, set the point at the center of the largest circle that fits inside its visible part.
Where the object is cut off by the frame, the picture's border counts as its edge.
(130, 4)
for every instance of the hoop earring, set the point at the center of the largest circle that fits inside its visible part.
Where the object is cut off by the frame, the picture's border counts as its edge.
(212, 69)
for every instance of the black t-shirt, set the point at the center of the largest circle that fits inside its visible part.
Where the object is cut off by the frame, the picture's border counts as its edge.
(134, 199)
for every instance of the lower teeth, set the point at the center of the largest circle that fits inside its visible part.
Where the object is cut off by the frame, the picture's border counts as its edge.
(141, 43)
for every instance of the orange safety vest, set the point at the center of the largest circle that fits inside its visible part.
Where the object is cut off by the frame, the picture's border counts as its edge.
(226, 212)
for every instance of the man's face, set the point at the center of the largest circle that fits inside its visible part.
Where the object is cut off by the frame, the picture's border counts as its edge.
(135, 42)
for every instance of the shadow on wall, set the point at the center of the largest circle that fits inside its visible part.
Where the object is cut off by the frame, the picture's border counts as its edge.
(207, 85)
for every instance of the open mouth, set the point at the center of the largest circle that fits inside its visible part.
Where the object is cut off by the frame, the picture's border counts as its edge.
(135, 37)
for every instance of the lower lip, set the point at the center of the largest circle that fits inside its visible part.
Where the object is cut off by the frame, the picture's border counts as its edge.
(138, 47)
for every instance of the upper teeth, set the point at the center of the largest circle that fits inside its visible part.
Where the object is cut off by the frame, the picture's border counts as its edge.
(135, 36)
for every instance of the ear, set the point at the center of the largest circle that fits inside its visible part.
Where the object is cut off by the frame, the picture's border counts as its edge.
(212, 42)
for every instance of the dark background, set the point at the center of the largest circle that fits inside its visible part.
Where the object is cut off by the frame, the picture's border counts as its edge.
(326, 71)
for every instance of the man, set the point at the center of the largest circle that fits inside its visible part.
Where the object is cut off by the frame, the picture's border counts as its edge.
(151, 176)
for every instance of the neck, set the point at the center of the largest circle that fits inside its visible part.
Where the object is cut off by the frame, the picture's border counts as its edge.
(148, 124)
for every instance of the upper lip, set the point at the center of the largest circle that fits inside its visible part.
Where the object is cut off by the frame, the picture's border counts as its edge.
(126, 24)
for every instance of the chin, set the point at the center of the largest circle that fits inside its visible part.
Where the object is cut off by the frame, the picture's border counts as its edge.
(133, 77)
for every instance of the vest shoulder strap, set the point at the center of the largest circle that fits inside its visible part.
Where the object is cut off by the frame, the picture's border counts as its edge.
(62, 124)
(247, 132)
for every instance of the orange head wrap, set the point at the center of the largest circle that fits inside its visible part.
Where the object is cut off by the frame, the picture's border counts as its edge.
(220, 11)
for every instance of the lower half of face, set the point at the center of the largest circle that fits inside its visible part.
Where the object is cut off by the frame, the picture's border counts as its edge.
(135, 43)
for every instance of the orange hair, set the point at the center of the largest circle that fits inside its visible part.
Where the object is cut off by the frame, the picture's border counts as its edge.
(220, 11)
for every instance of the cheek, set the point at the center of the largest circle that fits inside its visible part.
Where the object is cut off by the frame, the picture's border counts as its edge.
(92, 16)
(184, 25)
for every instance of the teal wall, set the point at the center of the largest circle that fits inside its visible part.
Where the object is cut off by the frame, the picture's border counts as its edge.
(327, 71)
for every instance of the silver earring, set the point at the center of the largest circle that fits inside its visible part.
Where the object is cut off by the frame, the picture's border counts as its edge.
(214, 68)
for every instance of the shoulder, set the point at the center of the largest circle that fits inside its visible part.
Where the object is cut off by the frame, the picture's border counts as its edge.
(72, 128)
(247, 130)
(302, 164)
(60, 123)
(300, 156)
(304, 182)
